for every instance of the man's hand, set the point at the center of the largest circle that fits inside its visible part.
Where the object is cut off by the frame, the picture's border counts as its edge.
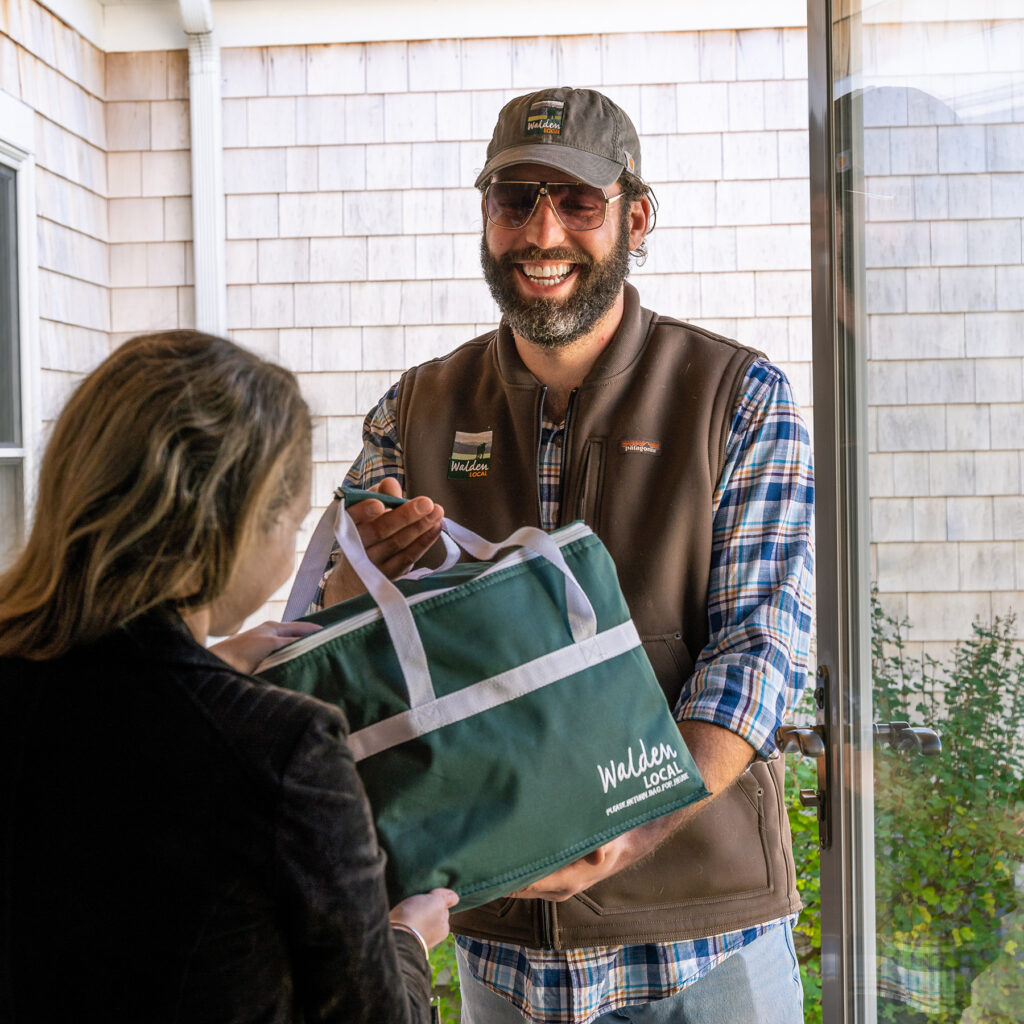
(580, 874)
(244, 651)
(395, 539)
(720, 755)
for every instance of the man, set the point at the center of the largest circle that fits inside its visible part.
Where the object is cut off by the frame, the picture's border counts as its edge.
(687, 455)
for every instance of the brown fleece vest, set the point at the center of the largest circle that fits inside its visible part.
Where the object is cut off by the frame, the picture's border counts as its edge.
(643, 451)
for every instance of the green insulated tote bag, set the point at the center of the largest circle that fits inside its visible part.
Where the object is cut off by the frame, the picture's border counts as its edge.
(503, 715)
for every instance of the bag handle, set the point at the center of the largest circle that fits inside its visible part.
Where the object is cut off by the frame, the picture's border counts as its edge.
(397, 614)
(318, 552)
(582, 619)
(405, 637)
(580, 612)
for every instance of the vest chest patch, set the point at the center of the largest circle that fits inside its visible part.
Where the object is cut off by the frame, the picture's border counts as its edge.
(639, 446)
(471, 455)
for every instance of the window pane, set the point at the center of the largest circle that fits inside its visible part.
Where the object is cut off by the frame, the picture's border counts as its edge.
(10, 406)
(10, 510)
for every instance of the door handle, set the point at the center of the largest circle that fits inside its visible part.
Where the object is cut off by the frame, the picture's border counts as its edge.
(904, 736)
(811, 741)
(797, 739)
(808, 741)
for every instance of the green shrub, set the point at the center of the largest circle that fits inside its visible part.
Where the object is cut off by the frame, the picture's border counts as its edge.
(446, 981)
(949, 834)
(803, 774)
(949, 830)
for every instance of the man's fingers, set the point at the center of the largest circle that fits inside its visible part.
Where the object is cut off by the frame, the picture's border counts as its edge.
(389, 485)
(365, 511)
(403, 559)
(387, 535)
(374, 526)
(396, 538)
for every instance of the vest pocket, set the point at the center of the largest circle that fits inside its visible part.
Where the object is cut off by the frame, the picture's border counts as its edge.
(671, 661)
(720, 856)
(588, 500)
(496, 908)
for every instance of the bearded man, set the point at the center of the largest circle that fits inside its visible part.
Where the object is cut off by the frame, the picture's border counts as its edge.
(687, 455)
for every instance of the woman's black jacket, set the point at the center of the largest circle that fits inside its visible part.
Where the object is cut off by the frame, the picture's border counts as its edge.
(180, 842)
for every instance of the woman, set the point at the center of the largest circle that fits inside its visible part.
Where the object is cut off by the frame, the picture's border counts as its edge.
(178, 841)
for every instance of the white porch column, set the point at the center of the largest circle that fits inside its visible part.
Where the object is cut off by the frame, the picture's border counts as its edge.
(208, 229)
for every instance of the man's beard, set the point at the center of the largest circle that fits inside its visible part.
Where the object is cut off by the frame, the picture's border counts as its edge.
(555, 323)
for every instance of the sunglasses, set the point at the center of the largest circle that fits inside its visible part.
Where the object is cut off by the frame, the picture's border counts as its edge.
(578, 207)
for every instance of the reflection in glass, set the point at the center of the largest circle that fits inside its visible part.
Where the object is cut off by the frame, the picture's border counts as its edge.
(930, 179)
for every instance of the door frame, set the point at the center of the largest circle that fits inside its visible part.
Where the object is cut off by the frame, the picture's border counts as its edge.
(839, 373)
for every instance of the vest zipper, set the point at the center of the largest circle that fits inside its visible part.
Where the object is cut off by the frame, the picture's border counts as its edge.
(540, 435)
(545, 908)
(547, 924)
(566, 449)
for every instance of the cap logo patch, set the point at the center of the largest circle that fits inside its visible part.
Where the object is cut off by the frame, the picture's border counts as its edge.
(640, 446)
(544, 118)
(628, 160)
(471, 455)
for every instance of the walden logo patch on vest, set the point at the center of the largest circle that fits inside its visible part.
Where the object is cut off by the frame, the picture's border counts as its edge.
(640, 446)
(544, 118)
(471, 455)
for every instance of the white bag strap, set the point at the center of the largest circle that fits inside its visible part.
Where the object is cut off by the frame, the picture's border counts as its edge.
(313, 564)
(451, 556)
(581, 615)
(398, 616)
(318, 552)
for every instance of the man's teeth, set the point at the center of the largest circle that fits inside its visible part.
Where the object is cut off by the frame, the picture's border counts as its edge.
(549, 273)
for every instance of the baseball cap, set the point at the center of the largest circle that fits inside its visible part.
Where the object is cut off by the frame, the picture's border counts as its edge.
(579, 131)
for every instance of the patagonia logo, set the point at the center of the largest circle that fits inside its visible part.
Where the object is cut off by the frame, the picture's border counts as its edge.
(640, 446)
(471, 455)
(544, 118)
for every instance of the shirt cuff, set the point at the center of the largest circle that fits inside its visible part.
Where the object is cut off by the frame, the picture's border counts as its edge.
(738, 698)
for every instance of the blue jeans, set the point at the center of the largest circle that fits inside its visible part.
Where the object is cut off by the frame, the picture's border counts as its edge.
(758, 985)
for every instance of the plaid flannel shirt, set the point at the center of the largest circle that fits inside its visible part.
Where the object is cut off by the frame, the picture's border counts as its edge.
(746, 680)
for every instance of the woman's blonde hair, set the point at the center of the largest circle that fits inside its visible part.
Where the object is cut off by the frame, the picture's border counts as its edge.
(164, 457)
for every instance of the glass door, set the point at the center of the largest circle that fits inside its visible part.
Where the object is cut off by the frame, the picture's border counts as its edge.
(917, 179)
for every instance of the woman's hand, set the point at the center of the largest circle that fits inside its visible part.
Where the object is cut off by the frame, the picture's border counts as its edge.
(427, 913)
(244, 651)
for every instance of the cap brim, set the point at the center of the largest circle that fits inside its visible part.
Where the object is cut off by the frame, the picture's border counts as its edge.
(586, 167)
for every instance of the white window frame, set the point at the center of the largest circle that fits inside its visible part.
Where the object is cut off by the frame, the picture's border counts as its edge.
(16, 153)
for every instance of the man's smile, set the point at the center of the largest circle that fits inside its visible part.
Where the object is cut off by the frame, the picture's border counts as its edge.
(547, 275)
